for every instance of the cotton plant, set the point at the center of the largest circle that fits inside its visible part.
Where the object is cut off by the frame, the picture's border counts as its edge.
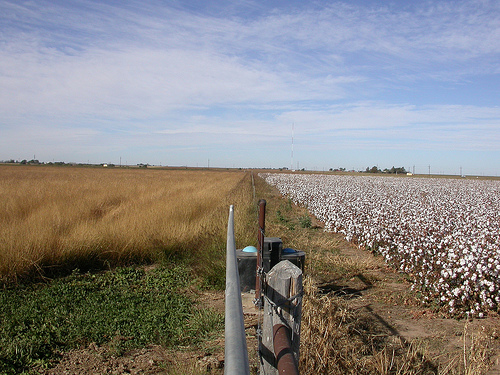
(443, 233)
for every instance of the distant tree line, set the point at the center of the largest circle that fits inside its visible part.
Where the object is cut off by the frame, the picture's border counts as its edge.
(37, 162)
(24, 161)
(33, 162)
(393, 170)
(337, 169)
(374, 169)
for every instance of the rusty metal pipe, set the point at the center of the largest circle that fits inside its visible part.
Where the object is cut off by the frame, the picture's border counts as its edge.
(260, 249)
(285, 361)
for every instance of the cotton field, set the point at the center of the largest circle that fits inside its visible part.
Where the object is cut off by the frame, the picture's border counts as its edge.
(444, 233)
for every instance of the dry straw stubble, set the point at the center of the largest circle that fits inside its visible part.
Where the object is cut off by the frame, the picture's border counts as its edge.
(58, 218)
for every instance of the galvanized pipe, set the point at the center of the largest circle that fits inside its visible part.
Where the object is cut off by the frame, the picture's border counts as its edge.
(283, 353)
(235, 351)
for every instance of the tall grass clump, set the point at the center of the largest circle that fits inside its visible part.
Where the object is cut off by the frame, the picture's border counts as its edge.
(53, 220)
(336, 339)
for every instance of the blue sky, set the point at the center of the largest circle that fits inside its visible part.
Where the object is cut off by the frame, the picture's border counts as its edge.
(412, 84)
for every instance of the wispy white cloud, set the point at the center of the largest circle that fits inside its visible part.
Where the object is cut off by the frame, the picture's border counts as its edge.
(448, 126)
(206, 74)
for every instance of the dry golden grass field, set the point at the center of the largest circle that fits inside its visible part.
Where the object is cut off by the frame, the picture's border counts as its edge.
(53, 219)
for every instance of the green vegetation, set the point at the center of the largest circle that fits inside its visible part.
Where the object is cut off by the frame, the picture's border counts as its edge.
(125, 308)
(393, 170)
(288, 218)
(305, 221)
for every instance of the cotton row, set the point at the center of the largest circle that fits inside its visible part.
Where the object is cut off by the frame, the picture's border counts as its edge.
(444, 233)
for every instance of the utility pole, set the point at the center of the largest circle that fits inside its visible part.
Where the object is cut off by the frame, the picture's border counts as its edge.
(291, 163)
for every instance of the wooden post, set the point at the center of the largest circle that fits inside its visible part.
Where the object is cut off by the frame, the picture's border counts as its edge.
(283, 282)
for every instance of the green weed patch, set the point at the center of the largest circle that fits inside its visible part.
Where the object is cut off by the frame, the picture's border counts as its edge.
(126, 308)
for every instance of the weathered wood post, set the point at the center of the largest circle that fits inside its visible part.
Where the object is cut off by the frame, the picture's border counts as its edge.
(282, 315)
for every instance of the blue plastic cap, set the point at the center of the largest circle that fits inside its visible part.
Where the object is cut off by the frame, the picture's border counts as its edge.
(289, 250)
(250, 249)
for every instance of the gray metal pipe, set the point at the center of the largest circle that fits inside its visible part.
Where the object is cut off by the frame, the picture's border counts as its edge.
(235, 351)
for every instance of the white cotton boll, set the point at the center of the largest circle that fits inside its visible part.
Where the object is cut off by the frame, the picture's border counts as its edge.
(437, 229)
